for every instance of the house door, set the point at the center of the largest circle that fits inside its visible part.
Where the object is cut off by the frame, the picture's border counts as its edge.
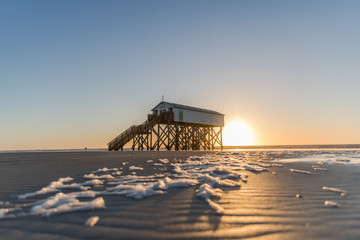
(181, 116)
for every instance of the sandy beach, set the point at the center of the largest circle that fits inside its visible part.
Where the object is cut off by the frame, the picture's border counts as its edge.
(189, 120)
(257, 202)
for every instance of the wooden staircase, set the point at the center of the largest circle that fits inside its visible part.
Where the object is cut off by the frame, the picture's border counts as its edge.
(144, 128)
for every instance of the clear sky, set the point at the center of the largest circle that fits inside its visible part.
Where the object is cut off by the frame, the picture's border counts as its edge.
(77, 73)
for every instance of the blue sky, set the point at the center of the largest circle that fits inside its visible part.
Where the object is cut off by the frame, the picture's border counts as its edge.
(77, 73)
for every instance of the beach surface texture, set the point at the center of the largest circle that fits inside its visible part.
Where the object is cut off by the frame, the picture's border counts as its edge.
(252, 194)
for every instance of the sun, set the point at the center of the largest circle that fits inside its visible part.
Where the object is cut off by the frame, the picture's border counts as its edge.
(238, 133)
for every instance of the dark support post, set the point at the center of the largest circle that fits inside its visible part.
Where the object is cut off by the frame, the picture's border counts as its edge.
(158, 136)
(176, 137)
(192, 139)
(186, 138)
(168, 137)
(221, 141)
(150, 144)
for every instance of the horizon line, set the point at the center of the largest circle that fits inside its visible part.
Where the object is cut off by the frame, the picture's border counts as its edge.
(351, 145)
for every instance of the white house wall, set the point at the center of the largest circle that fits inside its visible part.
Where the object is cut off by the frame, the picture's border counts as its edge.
(198, 117)
(162, 107)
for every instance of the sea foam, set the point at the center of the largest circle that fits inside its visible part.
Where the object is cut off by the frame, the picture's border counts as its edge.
(54, 186)
(61, 203)
(209, 173)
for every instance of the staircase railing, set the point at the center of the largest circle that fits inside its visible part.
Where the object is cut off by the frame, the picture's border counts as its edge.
(119, 137)
(133, 130)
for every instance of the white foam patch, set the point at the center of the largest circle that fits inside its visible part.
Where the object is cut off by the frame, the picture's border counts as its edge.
(93, 176)
(105, 169)
(299, 171)
(250, 167)
(179, 182)
(276, 165)
(160, 185)
(177, 169)
(61, 195)
(136, 179)
(205, 191)
(320, 169)
(118, 173)
(4, 212)
(332, 189)
(331, 204)
(137, 191)
(91, 221)
(62, 203)
(243, 176)
(93, 182)
(141, 190)
(217, 182)
(221, 170)
(54, 186)
(132, 168)
(164, 160)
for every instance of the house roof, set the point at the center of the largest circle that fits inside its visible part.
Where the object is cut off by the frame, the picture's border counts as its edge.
(175, 105)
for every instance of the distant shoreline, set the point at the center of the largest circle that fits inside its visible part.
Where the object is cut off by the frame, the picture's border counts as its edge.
(307, 146)
(315, 146)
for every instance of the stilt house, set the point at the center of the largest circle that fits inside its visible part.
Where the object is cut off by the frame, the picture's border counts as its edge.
(174, 125)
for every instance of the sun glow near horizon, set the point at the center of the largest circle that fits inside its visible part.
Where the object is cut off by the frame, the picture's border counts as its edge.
(238, 133)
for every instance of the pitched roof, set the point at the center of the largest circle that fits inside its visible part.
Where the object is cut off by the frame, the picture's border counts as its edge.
(175, 105)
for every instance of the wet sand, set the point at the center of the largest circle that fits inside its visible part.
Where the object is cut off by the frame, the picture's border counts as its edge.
(266, 207)
(24, 172)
